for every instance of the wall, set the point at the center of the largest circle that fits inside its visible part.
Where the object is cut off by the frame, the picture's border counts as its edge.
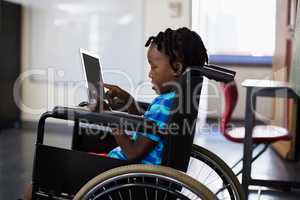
(53, 32)
(39, 96)
(158, 15)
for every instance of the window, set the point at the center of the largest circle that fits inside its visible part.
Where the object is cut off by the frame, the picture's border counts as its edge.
(241, 31)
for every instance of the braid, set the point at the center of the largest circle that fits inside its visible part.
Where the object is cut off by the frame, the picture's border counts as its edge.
(181, 45)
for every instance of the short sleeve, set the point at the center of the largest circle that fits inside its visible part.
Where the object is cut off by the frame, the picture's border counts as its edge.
(151, 136)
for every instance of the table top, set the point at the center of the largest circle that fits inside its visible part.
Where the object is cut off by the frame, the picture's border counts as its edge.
(256, 83)
(271, 88)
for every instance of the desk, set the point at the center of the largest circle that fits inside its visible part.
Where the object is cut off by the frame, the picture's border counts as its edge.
(264, 88)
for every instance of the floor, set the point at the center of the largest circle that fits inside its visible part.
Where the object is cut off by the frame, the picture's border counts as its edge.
(17, 149)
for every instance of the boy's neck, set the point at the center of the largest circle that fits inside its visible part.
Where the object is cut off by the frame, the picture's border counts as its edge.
(167, 91)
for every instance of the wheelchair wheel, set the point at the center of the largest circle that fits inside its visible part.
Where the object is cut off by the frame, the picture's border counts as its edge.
(214, 173)
(143, 182)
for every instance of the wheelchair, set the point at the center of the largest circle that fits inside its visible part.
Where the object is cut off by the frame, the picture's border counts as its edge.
(188, 171)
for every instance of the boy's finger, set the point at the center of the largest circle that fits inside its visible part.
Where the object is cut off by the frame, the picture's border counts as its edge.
(108, 93)
(115, 131)
(108, 86)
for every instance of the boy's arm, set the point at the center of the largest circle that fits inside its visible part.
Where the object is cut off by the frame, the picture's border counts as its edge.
(133, 150)
(133, 109)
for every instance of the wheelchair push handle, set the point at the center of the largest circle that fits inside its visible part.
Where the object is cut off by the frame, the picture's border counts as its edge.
(218, 73)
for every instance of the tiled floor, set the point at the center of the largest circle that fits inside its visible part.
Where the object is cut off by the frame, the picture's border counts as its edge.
(17, 148)
(268, 166)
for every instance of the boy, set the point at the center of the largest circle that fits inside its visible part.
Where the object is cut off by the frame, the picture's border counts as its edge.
(170, 53)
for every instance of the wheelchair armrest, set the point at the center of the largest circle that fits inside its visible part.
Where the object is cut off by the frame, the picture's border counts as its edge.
(142, 106)
(107, 118)
(102, 118)
(83, 103)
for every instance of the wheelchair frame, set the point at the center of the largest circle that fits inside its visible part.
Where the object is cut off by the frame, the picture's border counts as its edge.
(71, 163)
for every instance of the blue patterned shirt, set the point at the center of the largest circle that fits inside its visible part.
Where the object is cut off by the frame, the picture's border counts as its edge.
(158, 111)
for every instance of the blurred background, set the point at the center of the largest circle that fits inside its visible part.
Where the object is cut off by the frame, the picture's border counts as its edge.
(41, 67)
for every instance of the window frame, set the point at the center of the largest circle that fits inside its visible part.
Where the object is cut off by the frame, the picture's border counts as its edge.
(238, 59)
(241, 60)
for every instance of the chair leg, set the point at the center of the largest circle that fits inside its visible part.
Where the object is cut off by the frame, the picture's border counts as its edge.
(247, 151)
(260, 152)
(241, 159)
(254, 158)
(237, 163)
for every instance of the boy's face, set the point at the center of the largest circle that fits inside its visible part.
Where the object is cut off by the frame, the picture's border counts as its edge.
(161, 72)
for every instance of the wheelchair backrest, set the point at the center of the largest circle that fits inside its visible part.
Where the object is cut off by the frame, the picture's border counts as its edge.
(185, 111)
(182, 122)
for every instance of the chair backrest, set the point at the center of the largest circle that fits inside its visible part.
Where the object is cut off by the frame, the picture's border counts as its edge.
(185, 110)
(230, 99)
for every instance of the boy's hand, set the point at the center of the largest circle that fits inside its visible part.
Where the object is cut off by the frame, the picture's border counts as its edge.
(120, 99)
(115, 91)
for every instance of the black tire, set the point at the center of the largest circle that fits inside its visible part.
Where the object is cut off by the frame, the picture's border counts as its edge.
(167, 182)
(219, 170)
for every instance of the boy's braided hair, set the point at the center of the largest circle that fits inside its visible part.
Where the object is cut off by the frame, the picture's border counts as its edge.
(181, 45)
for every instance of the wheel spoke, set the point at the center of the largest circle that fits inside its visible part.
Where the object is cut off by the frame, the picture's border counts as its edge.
(217, 174)
(129, 190)
(145, 190)
(133, 181)
(166, 194)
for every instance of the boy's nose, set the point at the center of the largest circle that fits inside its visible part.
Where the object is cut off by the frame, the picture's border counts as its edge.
(150, 75)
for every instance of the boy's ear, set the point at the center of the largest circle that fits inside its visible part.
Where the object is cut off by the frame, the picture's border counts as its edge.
(178, 69)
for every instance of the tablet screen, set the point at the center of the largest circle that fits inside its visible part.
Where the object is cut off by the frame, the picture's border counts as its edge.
(94, 77)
